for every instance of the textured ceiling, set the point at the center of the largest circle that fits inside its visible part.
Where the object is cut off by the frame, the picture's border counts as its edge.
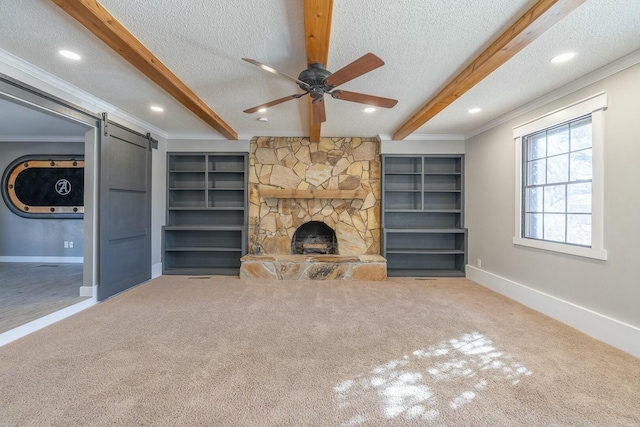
(424, 44)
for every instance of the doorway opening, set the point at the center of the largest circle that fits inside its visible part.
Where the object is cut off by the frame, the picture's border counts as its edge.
(46, 263)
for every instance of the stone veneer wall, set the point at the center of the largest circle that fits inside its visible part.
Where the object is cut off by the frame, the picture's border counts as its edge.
(331, 164)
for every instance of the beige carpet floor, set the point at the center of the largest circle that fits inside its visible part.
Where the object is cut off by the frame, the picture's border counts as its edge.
(222, 352)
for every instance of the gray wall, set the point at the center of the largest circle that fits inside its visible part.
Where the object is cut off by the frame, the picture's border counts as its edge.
(37, 237)
(611, 287)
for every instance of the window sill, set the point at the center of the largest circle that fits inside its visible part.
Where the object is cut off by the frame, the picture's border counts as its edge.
(592, 253)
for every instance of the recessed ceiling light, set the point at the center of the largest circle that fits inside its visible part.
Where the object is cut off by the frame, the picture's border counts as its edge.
(369, 110)
(157, 109)
(263, 119)
(70, 55)
(475, 110)
(262, 110)
(563, 57)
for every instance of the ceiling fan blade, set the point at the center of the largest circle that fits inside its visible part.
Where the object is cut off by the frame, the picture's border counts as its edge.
(274, 71)
(364, 99)
(319, 114)
(360, 66)
(272, 103)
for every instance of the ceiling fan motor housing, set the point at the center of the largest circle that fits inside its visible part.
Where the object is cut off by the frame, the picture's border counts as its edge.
(314, 76)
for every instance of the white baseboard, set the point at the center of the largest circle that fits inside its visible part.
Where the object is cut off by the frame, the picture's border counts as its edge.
(27, 328)
(44, 259)
(87, 291)
(614, 332)
(156, 270)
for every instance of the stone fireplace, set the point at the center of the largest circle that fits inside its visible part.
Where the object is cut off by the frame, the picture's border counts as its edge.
(334, 183)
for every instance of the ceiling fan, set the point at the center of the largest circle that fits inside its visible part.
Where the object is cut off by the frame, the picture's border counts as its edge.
(317, 81)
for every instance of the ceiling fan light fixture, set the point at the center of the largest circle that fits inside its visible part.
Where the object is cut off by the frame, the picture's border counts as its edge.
(70, 55)
(369, 110)
(474, 110)
(263, 119)
(262, 110)
(563, 57)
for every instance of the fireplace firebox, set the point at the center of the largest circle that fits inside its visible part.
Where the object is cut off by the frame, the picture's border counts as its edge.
(314, 237)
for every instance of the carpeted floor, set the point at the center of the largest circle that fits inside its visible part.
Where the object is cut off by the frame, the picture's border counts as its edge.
(222, 352)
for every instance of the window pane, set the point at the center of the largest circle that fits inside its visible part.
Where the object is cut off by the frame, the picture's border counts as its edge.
(558, 169)
(557, 188)
(579, 198)
(581, 134)
(558, 140)
(533, 202)
(554, 227)
(554, 198)
(533, 226)
(536, 172)
(537, 145)
(579, 229)
(581, 165)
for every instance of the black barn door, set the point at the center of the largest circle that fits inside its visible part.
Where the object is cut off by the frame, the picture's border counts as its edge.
(125, 210)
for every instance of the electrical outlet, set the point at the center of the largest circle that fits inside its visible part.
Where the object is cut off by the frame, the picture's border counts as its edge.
(479, 262)
(66, 244)
(70, 244)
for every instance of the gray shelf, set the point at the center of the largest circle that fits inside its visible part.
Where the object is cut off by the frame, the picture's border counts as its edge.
(424, 251)
(206, 213)
(400, 272)
(422, 216)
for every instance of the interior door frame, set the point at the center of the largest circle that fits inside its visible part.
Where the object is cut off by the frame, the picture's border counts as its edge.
(16, 91)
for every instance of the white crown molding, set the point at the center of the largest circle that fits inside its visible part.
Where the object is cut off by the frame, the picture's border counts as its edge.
(73, 94)
(426, 137)
(41, 139)
(608, 70)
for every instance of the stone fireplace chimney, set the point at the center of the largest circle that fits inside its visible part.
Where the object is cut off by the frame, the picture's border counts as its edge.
(336, 182)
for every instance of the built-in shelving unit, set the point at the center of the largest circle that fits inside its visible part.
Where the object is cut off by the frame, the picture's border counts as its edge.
(422, 215)
(206, 213)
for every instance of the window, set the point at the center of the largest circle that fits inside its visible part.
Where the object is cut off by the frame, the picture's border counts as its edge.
(557, 183)
(559, 180)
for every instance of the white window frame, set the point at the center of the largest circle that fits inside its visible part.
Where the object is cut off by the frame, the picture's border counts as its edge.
(594, 105)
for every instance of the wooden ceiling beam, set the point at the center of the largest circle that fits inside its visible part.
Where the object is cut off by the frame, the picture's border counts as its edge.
(317, 31)
(539, 18)
(103, 25)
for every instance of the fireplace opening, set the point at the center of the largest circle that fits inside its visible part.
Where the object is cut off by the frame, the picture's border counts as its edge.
(314, 237)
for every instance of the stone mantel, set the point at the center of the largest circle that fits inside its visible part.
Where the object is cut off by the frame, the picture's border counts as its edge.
(271, 193)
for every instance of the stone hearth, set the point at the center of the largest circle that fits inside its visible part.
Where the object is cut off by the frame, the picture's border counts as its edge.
(314, 267)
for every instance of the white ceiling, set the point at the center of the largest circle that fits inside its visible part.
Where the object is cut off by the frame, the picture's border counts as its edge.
(424, 44)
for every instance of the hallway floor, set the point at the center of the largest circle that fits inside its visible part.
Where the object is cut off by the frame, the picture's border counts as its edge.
(29, 291)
